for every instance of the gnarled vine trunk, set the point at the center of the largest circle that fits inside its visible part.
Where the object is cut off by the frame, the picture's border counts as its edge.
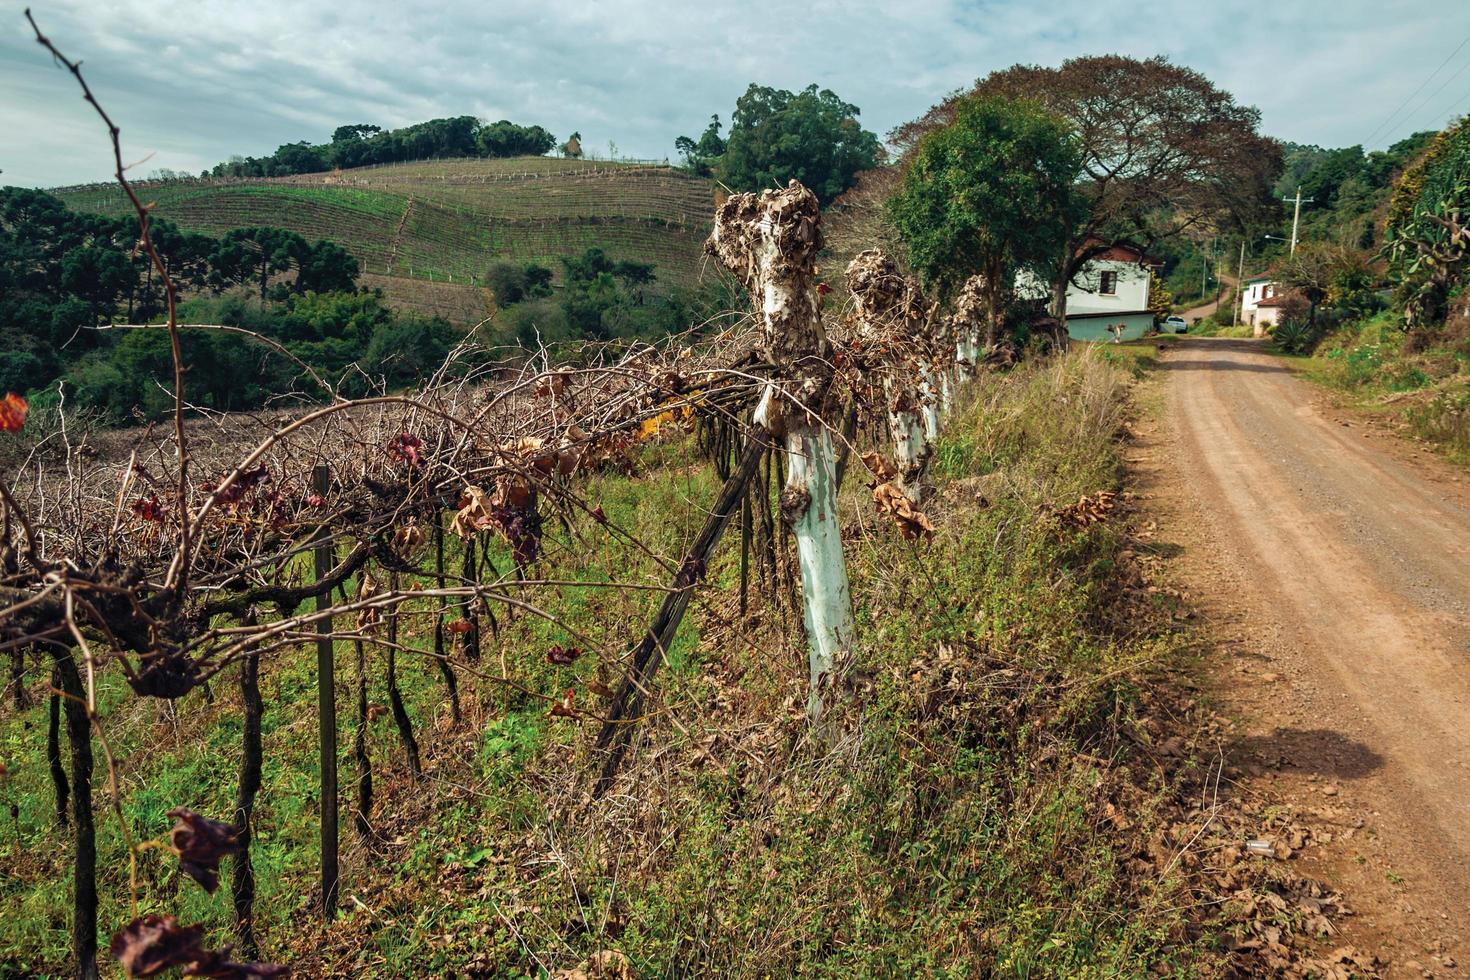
(242, 878)
(53, 751)
(84, 857)
(395, 697)
(771, 242)
(893, 317)
(441, 654)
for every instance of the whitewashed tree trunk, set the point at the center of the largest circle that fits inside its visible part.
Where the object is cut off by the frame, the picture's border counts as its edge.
(911, 451)
(893, 317)
(770, 243)
(929, 390)
(946, 391)
(811, 479)
(968, 323)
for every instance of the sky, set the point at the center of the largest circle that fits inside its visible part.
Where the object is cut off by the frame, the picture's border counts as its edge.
(191, 83)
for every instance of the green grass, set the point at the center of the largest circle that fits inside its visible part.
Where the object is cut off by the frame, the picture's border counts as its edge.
(1424, 388)
(945, 824)
(463, 215)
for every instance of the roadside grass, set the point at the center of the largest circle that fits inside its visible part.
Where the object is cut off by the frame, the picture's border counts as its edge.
(1377, 368)
(1208, 327)
(945, 821)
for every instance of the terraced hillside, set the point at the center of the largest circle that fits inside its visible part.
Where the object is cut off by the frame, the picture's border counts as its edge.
(425, 232)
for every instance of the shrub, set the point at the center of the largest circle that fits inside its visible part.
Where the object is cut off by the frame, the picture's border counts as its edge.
(1294, 336)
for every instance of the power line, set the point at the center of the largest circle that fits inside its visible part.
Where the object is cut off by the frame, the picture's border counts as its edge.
(1416, 91)
(1462, 103)
(1413, 112)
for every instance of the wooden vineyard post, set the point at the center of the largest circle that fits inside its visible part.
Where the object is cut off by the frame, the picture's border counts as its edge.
(627, 702)
(770, 243)
(326, 716)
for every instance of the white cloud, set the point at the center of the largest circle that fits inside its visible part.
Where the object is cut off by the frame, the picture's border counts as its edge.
(193, 82)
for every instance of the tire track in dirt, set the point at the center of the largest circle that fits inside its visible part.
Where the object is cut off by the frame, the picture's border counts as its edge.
(1335, 568)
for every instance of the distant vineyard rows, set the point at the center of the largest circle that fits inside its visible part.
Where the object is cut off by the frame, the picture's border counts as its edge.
(445, 221)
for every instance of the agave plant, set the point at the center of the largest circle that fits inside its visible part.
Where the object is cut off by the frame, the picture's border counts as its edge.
(1294, 336)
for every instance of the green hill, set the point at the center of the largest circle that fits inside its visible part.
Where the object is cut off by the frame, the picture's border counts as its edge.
(425, 232)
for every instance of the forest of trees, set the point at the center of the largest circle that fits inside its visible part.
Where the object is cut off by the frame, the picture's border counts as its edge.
(65, 277)
(601, 298)
(362, 144)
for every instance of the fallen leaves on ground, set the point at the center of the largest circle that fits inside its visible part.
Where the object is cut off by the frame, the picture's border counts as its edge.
(1092, 508)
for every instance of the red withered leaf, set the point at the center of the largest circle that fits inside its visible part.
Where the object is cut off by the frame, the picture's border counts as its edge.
(404, 448)
(150, 945)
(146, 947)
(563, 657)
(150, 508)
(566, 707)
(200, 843)
(13, 410)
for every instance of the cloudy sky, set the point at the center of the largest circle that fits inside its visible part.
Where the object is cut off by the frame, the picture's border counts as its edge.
(193, 82)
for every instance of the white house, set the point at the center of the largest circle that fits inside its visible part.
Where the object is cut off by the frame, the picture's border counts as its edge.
(1108, 299)
(1260, 304)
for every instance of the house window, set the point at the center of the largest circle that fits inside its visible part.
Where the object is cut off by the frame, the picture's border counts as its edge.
(1109, 284)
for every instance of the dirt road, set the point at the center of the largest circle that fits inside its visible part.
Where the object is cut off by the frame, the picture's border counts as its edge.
(1333, 561)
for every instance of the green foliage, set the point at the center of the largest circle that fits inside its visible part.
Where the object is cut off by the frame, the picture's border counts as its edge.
(1426, 238)
(1345, 186)
(506, 139)
(363, 144)
(1293, 336)
(325, 267)
(702, 156)
(67, 273)
(811, 136)
(511, 283)
(1160, 300)
(989, 193)
(246, 255)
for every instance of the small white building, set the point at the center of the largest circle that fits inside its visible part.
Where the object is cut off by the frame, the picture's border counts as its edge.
(1108, 299)
(1260, 304)
(1111, 291)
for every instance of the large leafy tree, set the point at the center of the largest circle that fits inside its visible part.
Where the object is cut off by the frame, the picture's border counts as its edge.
(98, 274)
(702, 155)
(254, 255)
(991, 192)
(1164, 151)
(506, 139)
(811, 136)
(325, 267)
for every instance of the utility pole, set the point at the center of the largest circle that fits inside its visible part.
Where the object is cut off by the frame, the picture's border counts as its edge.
(1204, 273)
(1296, 216)
(1239, 286)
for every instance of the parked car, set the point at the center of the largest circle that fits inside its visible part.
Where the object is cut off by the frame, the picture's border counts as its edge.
(1175, 324)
